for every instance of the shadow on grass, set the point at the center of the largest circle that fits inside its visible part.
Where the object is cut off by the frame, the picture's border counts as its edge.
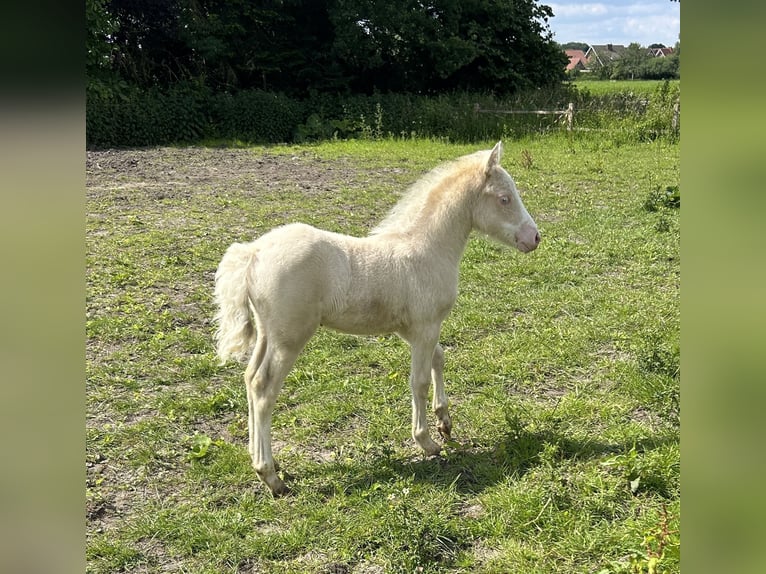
(470, 468)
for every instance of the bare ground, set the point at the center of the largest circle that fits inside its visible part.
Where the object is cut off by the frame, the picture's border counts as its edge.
(181, 172)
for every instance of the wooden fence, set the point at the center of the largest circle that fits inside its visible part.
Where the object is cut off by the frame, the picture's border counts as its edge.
(568, 114)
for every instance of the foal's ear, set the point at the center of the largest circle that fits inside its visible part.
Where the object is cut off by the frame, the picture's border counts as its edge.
(494, 156)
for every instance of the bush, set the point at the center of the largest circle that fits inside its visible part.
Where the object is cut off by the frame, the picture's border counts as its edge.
(129, 117)
(255, 116)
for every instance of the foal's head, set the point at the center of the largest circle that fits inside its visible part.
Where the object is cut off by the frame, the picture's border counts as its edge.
(499, 211)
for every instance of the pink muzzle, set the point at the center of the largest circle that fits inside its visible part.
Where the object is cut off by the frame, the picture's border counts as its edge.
(527, 237)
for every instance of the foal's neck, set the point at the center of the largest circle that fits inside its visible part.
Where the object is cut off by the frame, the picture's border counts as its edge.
(444, 223)
(449, 232)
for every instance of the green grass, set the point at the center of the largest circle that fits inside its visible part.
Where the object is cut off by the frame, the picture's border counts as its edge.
(604, 87)
(562, 373)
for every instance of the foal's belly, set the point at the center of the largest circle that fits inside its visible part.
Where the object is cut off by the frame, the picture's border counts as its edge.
(367, 317)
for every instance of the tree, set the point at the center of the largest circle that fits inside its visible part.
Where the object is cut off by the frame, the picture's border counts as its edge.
(576, 46)
(99, 47)
(667, 67)
(631, 62)
(408, 45)
(277, 44)
(660, 68)
(327, 45)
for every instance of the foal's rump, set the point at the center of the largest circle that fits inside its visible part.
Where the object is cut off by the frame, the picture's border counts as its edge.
(284, 278)
(300, 273)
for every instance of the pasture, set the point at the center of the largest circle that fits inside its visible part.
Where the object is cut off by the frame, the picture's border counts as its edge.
(562, 371)
(608, 87)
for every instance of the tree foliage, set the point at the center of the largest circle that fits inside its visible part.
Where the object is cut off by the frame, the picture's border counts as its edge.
(302, 46)
(576, 46)
(636, 62)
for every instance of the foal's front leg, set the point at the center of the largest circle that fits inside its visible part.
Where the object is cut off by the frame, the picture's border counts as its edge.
(423, 351)
(440, 404)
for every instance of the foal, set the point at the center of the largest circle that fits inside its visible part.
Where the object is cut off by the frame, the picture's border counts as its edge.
(274, 292)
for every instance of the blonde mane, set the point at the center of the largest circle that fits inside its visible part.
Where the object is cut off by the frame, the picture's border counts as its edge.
(432, 191)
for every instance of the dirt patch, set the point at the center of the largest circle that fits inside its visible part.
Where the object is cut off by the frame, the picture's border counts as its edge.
(473, 511)
(181, 172)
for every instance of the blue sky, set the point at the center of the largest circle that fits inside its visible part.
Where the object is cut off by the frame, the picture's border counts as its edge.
(615, 21)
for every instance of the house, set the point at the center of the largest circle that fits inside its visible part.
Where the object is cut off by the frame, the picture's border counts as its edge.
(603, 54)
(577, 60)
(660, 52)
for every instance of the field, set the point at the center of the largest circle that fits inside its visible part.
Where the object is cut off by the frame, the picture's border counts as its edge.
(562, 373)
(604, 87)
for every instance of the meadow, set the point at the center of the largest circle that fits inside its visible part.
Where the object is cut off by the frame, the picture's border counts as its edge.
(562, 370)
(607, 87)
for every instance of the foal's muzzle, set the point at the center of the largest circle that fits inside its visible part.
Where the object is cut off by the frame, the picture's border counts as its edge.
(527, 237)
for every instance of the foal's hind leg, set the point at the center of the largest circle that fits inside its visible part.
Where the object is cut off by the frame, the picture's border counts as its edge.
(255, 362)
(440, 404)
(264, 381)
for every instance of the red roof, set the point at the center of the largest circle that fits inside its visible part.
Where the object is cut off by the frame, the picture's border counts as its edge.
(575, 57)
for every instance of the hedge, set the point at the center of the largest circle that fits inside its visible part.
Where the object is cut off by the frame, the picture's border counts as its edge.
(128, 117)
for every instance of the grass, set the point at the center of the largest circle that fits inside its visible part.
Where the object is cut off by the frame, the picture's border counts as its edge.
(562, 373)
(604, 87)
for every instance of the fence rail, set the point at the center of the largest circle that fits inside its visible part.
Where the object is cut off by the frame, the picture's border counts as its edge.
(568, 113)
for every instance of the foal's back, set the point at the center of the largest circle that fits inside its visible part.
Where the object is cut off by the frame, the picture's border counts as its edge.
(366, 285)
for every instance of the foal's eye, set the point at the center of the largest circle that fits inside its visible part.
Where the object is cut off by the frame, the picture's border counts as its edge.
(504, 199)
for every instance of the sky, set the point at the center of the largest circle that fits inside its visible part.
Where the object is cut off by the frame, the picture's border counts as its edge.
(615, 21)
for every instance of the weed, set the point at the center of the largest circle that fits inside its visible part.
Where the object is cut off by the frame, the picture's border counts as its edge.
(668, 197)
(199, 444)
(659, 354)
(526, 159)
(660, 550)
(371, 131)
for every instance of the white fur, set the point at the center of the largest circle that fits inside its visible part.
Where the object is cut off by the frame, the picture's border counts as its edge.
(274, 292)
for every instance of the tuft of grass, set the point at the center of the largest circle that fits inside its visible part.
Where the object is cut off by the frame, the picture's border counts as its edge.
(562, 371)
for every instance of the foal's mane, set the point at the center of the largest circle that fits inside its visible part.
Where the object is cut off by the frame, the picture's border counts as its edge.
(431, 190)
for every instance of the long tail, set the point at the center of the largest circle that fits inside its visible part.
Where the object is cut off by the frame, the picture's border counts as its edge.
(235, 333)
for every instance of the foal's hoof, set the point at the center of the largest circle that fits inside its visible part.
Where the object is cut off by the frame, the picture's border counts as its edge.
(275, 484)
(433, 452)
(281, 490)
(445, 430)
(278, 488)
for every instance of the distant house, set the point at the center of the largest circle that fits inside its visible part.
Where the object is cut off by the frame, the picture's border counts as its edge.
(577, 60)
(660, 52)
(603, 54)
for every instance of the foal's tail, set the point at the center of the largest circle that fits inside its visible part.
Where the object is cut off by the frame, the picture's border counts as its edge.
(235, 333)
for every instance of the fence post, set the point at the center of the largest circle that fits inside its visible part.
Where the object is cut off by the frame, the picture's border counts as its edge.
(570, 116)
(676, 114)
